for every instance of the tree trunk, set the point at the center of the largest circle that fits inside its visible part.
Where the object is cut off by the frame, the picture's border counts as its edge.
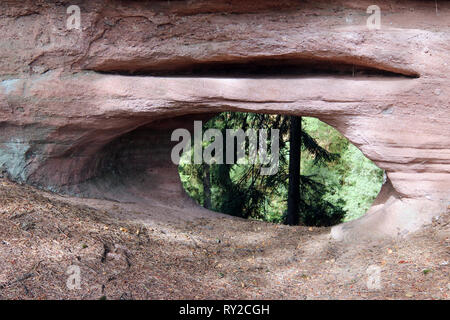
(207, 187)
(295, 141)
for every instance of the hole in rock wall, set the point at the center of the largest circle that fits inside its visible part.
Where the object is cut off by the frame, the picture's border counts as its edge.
(338, 183)
(130, 159)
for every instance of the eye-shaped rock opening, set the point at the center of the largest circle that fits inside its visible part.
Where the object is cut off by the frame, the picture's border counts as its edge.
(338, 183)
(135, 165)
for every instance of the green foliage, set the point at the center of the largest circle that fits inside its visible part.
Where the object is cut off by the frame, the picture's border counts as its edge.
(362, 182)
(191, 175)
(337, 181)
(352, 179)
(315, 208)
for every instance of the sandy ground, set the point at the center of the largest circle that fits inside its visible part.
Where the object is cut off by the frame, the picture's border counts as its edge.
(124, 251)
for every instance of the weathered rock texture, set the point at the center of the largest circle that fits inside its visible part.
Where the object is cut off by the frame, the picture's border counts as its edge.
(90, 112)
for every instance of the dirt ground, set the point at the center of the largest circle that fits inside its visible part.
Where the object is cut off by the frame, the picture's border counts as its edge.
(125, 252)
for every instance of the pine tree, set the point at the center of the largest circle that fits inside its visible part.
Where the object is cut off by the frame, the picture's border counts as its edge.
(295, 143)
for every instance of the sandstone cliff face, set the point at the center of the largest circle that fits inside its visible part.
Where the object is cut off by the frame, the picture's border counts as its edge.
(89, 112)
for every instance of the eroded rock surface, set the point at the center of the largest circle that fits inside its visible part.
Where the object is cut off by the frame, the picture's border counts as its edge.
(89, 112)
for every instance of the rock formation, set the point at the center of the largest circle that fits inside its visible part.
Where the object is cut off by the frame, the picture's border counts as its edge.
(89, 111)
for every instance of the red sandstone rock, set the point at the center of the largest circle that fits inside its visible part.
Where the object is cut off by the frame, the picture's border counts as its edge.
(71, 123)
